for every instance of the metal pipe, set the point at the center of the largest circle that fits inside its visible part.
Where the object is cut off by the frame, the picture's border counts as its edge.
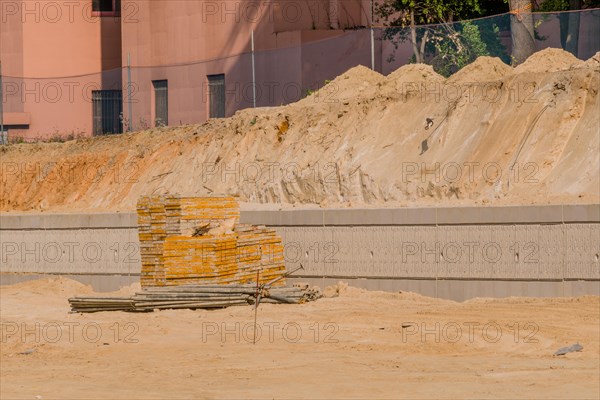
(372, 49)
(372, 37)
(1, 107)
(129, 101)
(253, 70)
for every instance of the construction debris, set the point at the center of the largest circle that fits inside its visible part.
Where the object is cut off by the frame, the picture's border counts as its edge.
(195, 297)
(568, 349)
(195, 254)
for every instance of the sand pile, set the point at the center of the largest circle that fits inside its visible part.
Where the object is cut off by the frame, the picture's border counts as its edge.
(525, 138)
(58, 286)
(484, 69)
(593, 62)
(549, 60)
(359, 81)
(414, 73)
(128, 290)
(411, 76)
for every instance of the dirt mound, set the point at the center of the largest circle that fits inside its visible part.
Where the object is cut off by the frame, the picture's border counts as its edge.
(369, 144)
(412, 74)
(50, 286)
(484, 69)
(128, 290)
(549, 60)
(593, 62)
(359, 81)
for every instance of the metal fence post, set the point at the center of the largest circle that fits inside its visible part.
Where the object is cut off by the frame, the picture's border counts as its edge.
(129, 100)
(372, 37)
(372, 49)
(2, 138)
(253, 70)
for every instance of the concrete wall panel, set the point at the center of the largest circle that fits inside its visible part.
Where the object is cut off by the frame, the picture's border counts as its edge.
(383, 252)
(293, 239)
(342, 238)
(85, 251)
(582, 248)
(511, 254)
(412, 260)
(551, 252)
(502, 238)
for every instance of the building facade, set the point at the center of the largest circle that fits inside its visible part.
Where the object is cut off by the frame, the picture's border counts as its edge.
(91, 67)
(56, 57)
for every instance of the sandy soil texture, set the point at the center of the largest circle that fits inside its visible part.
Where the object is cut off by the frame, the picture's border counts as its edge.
(357, 345)
(489, 134)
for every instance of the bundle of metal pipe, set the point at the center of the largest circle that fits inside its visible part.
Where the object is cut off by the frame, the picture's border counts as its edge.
(95, 304)
(194, 296)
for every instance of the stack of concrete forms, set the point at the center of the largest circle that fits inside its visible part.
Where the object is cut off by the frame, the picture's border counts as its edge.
(200, 260)
(258, 247)
(172, 256)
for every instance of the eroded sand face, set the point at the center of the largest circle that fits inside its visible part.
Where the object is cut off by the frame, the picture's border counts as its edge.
(351, 346)
(499, 135)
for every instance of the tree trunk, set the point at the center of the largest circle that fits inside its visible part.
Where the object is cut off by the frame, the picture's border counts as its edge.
(572, 42)
(423, 43)
(522, 30)
(413, 37)
(563, 20)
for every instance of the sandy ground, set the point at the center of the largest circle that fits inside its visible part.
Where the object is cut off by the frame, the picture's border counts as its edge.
(357, 345)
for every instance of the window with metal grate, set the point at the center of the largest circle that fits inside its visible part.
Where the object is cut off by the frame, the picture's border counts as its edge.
(161, 102)
(106, 8)
(107, 111)
(216, 96)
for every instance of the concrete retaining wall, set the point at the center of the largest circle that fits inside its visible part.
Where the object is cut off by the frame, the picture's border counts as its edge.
(446, 252)
(72, 244)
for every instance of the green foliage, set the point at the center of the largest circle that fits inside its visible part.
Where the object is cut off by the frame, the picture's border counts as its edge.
(555, 5)
(488, 31)
(398, 12)
(564, 5)
(455, 53)
(437, 39)
(16, 140)
(310, 92)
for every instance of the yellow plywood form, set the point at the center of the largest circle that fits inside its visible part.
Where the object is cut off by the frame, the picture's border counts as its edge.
(171, 258)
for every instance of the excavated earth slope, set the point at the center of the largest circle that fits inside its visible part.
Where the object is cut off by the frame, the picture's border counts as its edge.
(490, 134)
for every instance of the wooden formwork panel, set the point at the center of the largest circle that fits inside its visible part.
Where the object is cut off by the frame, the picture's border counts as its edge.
(172, 255)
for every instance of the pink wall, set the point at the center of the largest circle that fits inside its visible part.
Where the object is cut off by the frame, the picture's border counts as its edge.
(184, 41)
(299, 44)
(52, 53)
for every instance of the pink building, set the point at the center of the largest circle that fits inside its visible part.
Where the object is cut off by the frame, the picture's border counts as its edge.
(65, 64)
(192, 60)
(56, 57)
(91, 67)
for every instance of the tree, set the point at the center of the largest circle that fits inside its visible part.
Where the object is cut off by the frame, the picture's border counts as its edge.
(412, 13)
(522, 30)
(572, 42)
(437, 38)
(452, 55)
